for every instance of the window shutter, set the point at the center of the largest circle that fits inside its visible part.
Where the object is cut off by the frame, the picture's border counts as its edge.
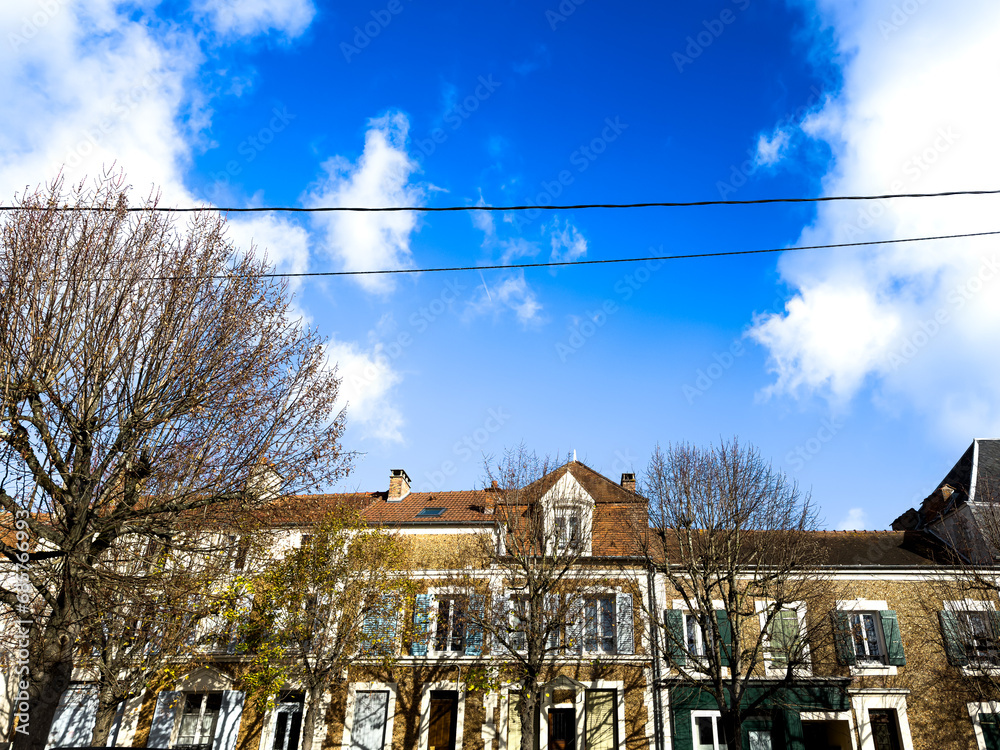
(390, 622)
(574, 628)
(164, 716)
(551, 612)
(953, 647)
(674, 621)
(725, 637)
(73, 723)
(626, 625)
(995, 624)
(474, 628)
(843, 641)
(421, 621)
(893, 639)
(227, 728)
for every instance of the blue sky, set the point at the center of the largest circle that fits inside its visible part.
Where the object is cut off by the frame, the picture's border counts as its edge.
(864, 374)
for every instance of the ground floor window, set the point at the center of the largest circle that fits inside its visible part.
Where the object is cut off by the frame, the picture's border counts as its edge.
(197, 728)
(602, 729)
(884, 728)
(287, 722)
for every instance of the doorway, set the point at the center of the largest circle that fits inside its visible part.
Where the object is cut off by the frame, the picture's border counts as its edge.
(562, 729)
(443, 720)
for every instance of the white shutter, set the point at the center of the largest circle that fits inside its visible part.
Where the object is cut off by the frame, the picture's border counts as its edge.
(73, 723)
(227, 728)
(625, 625)
(368, 731)
(167, 704)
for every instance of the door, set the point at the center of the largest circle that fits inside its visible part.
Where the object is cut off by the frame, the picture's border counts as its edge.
(562, 729)
(370, 708)
(885, 733)
(443, 720)
(287, 723)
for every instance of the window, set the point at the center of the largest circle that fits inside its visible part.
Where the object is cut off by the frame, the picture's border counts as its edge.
(599, 624)
(287, 722)
(450, 623)
(978, 638)
(602, 729)
(424, 512)
(517, 621)
(694, 634)
(760, 739)
(197, 727)
(707, 731)
(868, 638)
(784, 638)
(567, 529)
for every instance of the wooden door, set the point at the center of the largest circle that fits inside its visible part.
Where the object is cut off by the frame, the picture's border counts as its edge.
(562, 729)
(443, 720)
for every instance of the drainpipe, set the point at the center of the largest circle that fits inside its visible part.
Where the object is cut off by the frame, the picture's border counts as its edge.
(654, 639)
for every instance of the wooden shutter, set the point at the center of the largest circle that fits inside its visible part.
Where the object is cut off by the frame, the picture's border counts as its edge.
(843, 640)
(625, 626)
(675, 646)
(473, 626)
(600, 720)
(725, 637)
(893, 639)
(73, 723)
(421, 624)
(370, 712)
(953, 646)
(227, 728)
(164, 718)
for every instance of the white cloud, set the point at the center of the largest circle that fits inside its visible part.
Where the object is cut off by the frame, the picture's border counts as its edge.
(856, 518)
(253, 17)
(367, 381)
(917, 323)
(771, 150)
(567, 242)
(512, 293)
(381, 177)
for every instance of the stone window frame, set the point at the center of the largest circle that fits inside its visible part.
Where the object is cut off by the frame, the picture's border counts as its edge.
(976, 710)
(868, 605)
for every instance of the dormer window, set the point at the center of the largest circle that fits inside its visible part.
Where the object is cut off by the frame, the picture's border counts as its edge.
(567, 528)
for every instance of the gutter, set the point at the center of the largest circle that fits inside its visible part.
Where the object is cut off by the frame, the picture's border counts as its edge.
(658, 729)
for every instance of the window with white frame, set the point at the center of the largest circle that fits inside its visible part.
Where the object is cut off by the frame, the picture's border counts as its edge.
(599, 623)
(695, 630)
(450, 622)
(517, 622)
(197, 725)
(706, 731)
(971, 631)
(567, 528)
(867, 636)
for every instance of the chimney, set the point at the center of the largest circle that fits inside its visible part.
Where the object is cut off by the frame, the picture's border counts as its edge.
(399, 485)
(628, 482)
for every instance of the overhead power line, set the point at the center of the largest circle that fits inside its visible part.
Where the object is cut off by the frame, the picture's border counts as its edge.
(550, 264)
(568, 207)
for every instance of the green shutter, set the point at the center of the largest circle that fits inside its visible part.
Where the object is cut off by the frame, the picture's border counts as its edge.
(893, 640)
(673, 620)
(421, 622)
(990, 724)
(843, 639)
(474, 626)
(725, 636)
(953, 646)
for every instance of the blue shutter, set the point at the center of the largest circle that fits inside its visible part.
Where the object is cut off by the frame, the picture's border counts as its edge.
(390, 621)
(227, 728)
(725, 637)
(953, 647)
(625, 626)
(421, 622)
(673, 620)
(73, 723)
(843, 640)
(473, 626)
(893, 640)
(164, 716)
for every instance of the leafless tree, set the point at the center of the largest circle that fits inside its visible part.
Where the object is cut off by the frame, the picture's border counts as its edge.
(148, 373)
(534, 589)
(729, 536)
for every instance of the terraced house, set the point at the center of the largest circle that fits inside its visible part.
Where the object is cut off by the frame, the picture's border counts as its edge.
(556, 613)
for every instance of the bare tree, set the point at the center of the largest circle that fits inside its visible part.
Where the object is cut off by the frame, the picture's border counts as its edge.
(534, 592)
(146, 372)
(327, 604)
(729, 536)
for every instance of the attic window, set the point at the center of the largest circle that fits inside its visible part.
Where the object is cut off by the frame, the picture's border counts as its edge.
(431, 512)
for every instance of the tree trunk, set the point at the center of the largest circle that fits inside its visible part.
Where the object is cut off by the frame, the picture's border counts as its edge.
(314, 696)
(732, 729)
(107, 709)
(526, 711)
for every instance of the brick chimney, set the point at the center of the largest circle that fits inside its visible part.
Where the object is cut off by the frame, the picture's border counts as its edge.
(628, 482)
(399, 485)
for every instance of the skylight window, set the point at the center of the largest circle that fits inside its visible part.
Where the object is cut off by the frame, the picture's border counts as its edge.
(431, 512)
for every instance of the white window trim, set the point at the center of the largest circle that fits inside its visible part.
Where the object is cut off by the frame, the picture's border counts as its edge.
(682, 605)
(868, 605)
(695, 715)
(510, 595)
(579, 705)
(353, 689)
(434, 592)
(425, 712)
(770, 670)
(614, 624)
(863, 700)
(175, 735)
(847, 716)
(975, 712)
(974, 605)
(267, 735)
(568, 493)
